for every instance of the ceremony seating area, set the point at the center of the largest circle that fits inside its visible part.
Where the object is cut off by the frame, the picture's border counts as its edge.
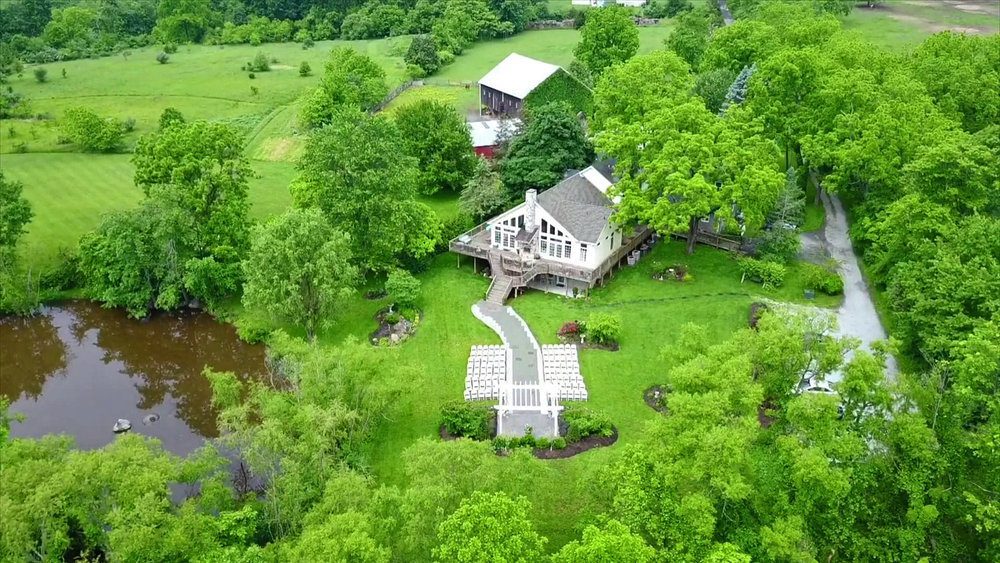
(562, 367)
(486, 370)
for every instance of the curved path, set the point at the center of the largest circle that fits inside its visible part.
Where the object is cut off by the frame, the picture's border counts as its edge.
(856, 316)
(525, 368)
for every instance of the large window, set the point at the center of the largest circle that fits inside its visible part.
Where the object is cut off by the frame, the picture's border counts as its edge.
(583, 251)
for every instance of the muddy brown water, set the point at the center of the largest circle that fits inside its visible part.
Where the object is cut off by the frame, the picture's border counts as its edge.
(77, 368)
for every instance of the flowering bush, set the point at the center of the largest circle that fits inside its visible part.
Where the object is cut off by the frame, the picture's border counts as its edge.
(570, 329)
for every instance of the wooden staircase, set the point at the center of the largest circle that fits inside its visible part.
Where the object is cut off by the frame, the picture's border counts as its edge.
(499, 289)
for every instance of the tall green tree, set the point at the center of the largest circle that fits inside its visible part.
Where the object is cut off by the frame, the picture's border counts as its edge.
(613, 542)
(689, 39)
(15, 213)
(298, 270)
(484, 194)
(353, 172)
(437, 136)
(489, 527)
(184, 21)
(960, 72)
(550, 142)
(683, 163)
(350, 80)
(630, 91)
(608, 37)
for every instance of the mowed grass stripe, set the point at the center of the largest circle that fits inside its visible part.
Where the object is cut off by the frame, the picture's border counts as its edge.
(69, 192)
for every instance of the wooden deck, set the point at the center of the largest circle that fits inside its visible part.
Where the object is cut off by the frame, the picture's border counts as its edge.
(476, 243)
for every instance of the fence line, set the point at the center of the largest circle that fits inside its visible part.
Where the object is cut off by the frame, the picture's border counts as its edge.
(392, 95)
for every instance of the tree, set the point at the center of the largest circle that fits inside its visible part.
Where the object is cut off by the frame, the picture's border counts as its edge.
(437, 136)
(184, 21)
(607, 38)
(350, 79)
(713, 86)
(484, 194)
(304, 69)
(423, 53)
(353, 171)
(615, 542)
(298, 269)
(551, 141)
(69, 26)
(200, 169)
(489, 527)
(92, 132)
(170, 116)
(683, 163)
(133, 259)
(674, 8)
(15, 213)
(790, 206)
(403, 288)
(690, 38)
(464, 21)
(41, 74)
(960, 72)
(518, 13)
(630, 91)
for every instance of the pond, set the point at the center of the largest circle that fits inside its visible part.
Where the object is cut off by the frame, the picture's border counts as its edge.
(77, 368)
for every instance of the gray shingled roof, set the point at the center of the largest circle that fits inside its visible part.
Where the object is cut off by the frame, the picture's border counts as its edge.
(578, 206)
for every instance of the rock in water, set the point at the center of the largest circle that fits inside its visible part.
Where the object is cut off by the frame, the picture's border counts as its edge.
(150, 418)
(122, 425)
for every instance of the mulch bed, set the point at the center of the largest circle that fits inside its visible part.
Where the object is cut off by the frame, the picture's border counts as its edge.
(654, 398)
(565, 339)
(402, 329)
(675, 272)
(571, 450)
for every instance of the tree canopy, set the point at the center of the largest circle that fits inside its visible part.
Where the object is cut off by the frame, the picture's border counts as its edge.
(551, 141)
(608, 37)
(436, 135)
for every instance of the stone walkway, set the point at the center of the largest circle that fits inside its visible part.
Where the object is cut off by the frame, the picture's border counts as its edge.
(525, 354)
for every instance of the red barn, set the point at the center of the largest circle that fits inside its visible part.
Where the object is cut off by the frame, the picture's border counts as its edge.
(487, 135)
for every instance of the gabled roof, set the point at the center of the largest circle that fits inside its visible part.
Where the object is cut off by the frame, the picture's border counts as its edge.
(484, 133)
(578, 205)
(518, 75)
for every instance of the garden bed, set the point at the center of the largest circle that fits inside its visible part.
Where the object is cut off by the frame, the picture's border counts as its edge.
(674, 272)
(588, 443)
(389, 332)
(653, 398)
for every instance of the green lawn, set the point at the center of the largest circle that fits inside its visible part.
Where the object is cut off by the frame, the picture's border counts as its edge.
(652, 312)
(202, 81)
(900, 25)
(69, 192)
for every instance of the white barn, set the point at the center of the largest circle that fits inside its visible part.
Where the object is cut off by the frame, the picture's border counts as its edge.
(561, 240)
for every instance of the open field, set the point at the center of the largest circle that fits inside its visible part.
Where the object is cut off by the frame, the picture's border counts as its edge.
(69, 192)
(203, 82)
(652, 311)
(901, 25)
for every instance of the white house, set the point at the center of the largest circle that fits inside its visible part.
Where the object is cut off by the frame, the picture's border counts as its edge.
(562, 239)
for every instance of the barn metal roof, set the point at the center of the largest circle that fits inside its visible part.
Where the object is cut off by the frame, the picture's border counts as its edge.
(518, 75)
(484, 133)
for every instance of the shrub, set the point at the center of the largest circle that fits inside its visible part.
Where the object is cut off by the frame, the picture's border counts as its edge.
(402, 287)
(304, 69)
(604, 328)
(583, 422)
(170, 48)
(765, 273)
(823, 280)
(41, 74)
(260, 63)
(162, 58)
(308, 43)
(471, 420)
(778, 245)
(66, 274)
(757, 310)
(92, 132)
(392, 318)
(128, 125)
(559, 443)
(446, 57)
(570, 329)
(170, 116)
(252, 76)
(254, 91)
(415, 72)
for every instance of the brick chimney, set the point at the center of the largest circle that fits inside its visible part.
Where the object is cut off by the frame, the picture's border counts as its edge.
(530, 201)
